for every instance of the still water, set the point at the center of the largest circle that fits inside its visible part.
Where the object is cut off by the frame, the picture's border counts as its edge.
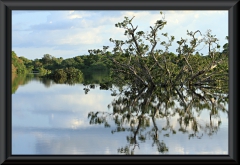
(50, 118)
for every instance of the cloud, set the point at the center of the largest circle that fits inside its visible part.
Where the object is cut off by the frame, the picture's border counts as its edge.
(75, 31)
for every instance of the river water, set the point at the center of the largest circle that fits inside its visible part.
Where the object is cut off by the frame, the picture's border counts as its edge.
(50, 119)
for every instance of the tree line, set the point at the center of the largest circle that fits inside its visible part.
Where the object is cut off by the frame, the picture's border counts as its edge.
(139, 63)
(59, 68)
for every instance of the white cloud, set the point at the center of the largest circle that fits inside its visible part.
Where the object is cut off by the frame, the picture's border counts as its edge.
(75, 16)
(62, 30)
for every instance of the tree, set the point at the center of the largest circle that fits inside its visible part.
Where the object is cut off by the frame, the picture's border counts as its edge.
(226, 47)
(46, 61)
(79, 62)
(70, 62)
(47, 58)
(139, 63)
(37, 64)
(17, 64)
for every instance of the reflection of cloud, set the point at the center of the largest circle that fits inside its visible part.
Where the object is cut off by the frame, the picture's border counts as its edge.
(60, 105)
(68, 141)
(55, 122)
(76, 123)
(179, 150)
(220, 152)
(99, 140)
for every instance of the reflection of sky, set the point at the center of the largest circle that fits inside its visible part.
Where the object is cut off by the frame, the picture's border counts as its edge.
(56, 106)
(54, 121)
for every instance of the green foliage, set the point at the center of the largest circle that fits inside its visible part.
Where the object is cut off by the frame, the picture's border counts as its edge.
(225, 49)
(84, 63)
(28, 63)
(17, 64)
(138, 63)
(60, 74)
(37, 64)
(73, 73)
(62, 70)
(69, 75)
(42, 71)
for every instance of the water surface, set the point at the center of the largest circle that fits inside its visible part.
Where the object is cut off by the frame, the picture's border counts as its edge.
(50, 118)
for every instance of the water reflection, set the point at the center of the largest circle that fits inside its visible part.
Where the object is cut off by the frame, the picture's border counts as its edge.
(138, 110)
(51, 118)
(20, 80)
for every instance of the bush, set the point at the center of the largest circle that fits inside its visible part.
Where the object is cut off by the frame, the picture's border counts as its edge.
(73, 73)
(59, 74)
(43, 71)
(68, 75)
(17, 64)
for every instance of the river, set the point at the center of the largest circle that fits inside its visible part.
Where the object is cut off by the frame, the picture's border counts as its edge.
(50, 118)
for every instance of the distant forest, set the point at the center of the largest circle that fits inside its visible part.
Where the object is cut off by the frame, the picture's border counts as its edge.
(59, 68)
(48, 64)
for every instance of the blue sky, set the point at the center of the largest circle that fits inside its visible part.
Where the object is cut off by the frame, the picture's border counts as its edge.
(67, 34)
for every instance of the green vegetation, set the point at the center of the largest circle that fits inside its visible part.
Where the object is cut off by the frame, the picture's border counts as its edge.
(61, 70)
(17, 64)
(68, 75)
(139, 62)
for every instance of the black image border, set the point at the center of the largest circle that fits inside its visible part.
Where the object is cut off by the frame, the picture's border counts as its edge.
(6, 7)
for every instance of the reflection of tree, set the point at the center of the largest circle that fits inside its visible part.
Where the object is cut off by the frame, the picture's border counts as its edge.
(197, 100)
(68, 81)
(138, 111)
(47, 82)
(96, 77)
(20, 79)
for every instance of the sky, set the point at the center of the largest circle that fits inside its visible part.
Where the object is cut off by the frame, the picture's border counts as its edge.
(70, 33)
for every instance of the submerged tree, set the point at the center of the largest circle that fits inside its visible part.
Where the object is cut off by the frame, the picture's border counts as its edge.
(155, 83)
(138, 62)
